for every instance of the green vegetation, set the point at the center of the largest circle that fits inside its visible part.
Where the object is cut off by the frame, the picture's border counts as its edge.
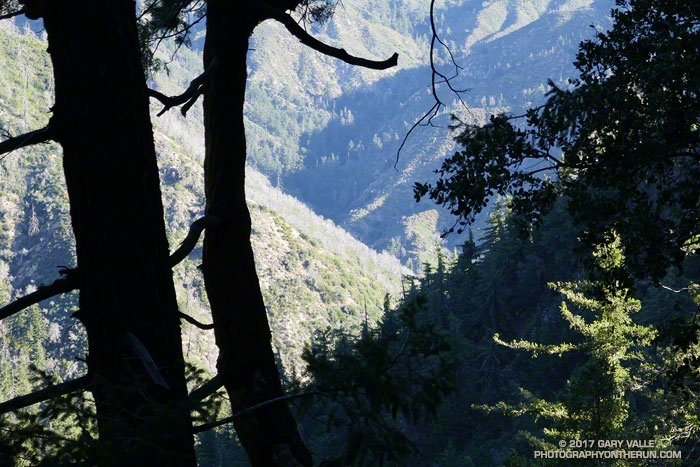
(316, 274)
(621, 145)
(596, 401)
(526, 337)
(611, 363)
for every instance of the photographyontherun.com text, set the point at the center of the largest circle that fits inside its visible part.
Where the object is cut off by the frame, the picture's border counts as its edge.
(608, 449)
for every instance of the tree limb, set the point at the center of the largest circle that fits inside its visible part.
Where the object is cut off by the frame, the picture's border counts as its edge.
(310, 41)
(42, 395)
(196, 323)
(69, 281)
(33, 137)
(205, 390)
(192, 238)
(674, 290)
(443, 79)
(65, 284)
(142, 354)
(191, 94)
(12, 14)
(224, 421)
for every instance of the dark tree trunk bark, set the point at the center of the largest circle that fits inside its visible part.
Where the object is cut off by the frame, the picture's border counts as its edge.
(246, 362)
(127, 297)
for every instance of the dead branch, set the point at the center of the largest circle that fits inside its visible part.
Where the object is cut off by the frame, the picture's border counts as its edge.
(310, 41)
(191, 94)
(45, 394)
(33, 137)
(437, 78)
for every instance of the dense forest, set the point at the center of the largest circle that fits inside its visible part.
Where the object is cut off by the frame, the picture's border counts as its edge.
(539, 299)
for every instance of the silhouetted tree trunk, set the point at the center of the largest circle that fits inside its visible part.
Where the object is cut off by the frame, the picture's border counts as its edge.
(127, 299)
(246, 362)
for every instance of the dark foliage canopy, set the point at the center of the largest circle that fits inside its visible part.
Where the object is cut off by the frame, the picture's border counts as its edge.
(621, 143)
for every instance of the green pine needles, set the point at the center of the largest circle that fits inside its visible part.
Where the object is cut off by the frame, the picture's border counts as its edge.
(620, 365)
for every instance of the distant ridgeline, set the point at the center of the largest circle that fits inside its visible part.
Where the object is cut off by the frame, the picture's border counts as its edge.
(330, 132)
(313, 273)
(465, 330)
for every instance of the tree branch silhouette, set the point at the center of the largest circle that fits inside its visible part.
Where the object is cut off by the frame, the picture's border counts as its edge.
(191, 94)
(42, 135)
(45, 394)
(69, 281)
(437, 78)
(310, 41)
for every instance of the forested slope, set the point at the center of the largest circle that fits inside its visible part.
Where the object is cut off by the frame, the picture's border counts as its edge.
(328, 133)
(332, 131)
(526, 376)
(313, 273)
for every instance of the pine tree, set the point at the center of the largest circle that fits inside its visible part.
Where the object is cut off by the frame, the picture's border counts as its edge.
(595, 402)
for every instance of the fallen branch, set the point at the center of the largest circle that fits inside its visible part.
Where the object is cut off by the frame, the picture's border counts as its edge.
(45, 394)
(191, 94)
(310, 41)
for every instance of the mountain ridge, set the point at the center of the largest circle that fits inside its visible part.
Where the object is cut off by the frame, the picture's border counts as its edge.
(313, 274)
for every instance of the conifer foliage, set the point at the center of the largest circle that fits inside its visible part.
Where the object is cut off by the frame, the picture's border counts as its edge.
(621, 143)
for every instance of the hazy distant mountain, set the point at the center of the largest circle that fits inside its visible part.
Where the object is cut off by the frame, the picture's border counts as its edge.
(330, 132)
(313, 274)
(318, 129)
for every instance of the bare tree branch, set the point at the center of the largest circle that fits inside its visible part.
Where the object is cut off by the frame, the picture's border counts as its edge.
(45, 394)
(12, 14)
(435, 108)
(191, 94)
(205, 390)
(674, 290)
(33, 137)
(224, 421)
(310, 41)
(69, 281)
(192, 238)
(184, 30)
(196, 323)
(65, 284)
(443, 79)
